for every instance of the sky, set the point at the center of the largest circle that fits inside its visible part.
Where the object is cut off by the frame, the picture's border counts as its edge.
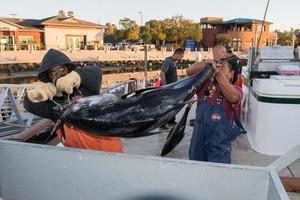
(284, 14)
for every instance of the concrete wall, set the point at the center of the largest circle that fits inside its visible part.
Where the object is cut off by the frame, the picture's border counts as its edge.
(55, 37)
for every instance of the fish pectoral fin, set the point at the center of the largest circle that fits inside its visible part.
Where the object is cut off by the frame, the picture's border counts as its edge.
(137, 92)
(141, 121)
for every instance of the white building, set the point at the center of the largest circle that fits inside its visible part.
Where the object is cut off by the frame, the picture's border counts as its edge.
(67, 32)
(59, 32)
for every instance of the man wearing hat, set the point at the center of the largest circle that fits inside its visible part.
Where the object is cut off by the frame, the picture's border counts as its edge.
(63, 81)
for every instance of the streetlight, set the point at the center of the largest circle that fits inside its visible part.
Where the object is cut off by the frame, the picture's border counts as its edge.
(141, 13)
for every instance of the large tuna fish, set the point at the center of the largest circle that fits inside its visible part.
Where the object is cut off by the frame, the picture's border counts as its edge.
(134, 115)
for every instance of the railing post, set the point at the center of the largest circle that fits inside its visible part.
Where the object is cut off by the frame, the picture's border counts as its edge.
(145, 65)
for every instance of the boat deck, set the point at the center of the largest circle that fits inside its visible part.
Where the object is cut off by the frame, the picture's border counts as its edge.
(241, 151)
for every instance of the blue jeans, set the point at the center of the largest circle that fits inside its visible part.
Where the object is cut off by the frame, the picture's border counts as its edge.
(212, 136)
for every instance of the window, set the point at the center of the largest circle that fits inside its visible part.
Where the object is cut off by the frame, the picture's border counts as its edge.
(259, 26)
(248, 28)
(236, 44)
(6, 40)
(75, 41)
(209, 26)
(24, 40)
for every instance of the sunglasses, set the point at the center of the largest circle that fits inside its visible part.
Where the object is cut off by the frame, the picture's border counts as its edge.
(58, 72)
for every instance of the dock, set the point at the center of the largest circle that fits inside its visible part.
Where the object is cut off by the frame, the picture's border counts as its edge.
(242, 154)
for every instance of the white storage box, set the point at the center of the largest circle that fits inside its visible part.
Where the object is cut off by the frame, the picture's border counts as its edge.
(272, 119)
(277, 52)
(288, 69)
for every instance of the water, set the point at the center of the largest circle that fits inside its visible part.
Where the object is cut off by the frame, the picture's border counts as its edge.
(18, 80)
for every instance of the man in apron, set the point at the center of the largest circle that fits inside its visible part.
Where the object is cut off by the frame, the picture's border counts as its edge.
(63, 81)
(215, 115)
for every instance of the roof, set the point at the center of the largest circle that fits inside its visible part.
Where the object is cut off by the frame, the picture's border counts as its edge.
(62, 20)
(236, 21)
(24, 24)
(59, 20)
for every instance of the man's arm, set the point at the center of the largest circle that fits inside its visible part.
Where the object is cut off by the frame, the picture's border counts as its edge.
(164, 69)
(228, 90)
(91, 77)
(194, 68)
(42, 109)
(162, 76)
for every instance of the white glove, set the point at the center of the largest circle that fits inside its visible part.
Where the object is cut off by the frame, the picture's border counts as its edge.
(42, 93)
(68, 82)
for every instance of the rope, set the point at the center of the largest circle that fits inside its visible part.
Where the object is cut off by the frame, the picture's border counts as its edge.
(262, 26)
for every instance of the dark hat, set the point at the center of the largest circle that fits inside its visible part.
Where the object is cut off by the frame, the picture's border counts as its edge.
(52, 59)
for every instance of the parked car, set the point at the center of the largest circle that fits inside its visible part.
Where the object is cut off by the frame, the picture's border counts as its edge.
(123, 45)
(141, 45)
(110, 46)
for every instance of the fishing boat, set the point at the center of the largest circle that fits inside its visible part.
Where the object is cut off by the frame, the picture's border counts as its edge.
(271, 110)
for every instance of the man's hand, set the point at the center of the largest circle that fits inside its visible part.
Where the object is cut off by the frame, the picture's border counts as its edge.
(216, 67)
(68, 82)
(42, 93)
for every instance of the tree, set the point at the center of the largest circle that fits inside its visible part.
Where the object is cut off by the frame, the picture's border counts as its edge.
(133, 33)
(156, 30)
(129, 29)
(126, 23)
(174, 30)
(178, 29)
(110, 34)
(146, 34)
(285, 37)
(196, 32)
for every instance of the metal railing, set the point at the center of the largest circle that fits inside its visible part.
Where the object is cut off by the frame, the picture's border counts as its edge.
(13, 118)
(121, 88)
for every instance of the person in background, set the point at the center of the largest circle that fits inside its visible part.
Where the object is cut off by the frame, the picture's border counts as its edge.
(217, 100)
(168, 74)
(63, 81)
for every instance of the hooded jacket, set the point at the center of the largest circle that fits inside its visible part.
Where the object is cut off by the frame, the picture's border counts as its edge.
(90, 85)
(90, 76)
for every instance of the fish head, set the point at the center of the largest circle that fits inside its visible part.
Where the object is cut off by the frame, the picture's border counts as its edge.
(79, 105)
